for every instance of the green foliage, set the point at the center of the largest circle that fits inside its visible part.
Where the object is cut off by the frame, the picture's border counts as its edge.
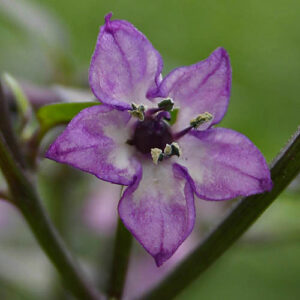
(20, 97)
(174, 114)
(52, 115)
(26, 124)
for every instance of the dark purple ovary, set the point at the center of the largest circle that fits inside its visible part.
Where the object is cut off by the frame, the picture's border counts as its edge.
(151, 133)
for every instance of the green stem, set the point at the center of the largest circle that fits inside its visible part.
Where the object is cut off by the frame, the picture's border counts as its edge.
(26, 199)
(121, 256)
(284, 169)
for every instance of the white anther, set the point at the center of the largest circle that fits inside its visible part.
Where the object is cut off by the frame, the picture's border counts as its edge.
(156, 155)
(168, 150)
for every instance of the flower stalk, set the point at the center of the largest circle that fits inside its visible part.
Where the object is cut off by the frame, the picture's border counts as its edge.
(284, 169)
(27, 201)
(121, 255)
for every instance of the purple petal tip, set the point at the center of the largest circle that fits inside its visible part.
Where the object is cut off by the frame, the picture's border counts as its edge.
(108, 17)
(266, 184)
(162, 257)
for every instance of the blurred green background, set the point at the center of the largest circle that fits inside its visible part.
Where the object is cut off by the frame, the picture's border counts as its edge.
(51, 42)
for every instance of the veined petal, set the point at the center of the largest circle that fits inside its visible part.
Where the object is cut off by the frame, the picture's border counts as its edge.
(199, 88)
(95, 142)
(125, 67)
(158, 209)
(224, 164)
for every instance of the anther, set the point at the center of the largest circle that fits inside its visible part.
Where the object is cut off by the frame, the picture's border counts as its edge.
(172, 149)
(166, 104)
(157, 155)
(201, 119)
(138, 111)
(168, 150)
(176, 149)
(194, 124)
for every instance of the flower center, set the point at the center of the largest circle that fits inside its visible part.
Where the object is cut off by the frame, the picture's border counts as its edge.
(151, 133)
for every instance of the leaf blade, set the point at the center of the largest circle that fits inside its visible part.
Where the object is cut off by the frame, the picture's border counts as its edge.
(52, 115)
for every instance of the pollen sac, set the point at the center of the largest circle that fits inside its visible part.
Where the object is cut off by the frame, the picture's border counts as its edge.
(168, 150)
(166, 104)
(201, 119)
(157, 155)
(172, 149)
(175, 149)
(138, 111)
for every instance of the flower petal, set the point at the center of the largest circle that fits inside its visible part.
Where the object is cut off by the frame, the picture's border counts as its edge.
(95, 142)
(199, 88)
(125, 67)
(158, 209)
(224, 164)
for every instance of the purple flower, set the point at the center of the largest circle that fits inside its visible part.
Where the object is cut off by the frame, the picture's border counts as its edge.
(128, 140)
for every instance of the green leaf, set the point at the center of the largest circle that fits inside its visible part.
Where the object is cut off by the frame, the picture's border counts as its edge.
(52, 115)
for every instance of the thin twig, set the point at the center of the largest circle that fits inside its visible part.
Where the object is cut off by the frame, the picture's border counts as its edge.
(284, 169)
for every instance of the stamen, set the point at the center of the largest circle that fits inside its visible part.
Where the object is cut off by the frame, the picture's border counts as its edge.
(157, 155)
(176, 149)
(195, 123)
(170, 150)
(201, 119)
(166, 104)
(181, 133)
(138, 111)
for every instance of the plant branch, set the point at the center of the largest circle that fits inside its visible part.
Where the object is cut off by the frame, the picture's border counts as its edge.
(26, 199)
(121, 256)
(284, 169)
